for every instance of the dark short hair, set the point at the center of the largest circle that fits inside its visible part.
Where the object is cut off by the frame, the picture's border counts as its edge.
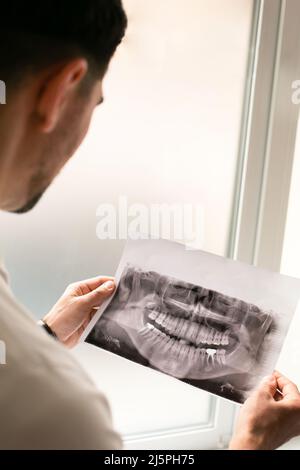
(34, 34)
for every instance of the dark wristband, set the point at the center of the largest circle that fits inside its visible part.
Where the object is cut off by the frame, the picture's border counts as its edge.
(47, 328)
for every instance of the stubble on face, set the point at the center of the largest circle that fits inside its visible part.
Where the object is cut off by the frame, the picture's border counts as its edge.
(59, 147)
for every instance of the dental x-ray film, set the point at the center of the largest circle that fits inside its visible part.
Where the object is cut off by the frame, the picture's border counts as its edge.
(211, 322)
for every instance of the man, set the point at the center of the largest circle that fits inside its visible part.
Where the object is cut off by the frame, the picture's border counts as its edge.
(54, 56)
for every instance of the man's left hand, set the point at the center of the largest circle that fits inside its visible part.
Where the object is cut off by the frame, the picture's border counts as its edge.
(71, 314)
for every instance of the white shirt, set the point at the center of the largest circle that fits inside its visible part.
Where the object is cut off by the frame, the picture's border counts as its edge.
(46, 399)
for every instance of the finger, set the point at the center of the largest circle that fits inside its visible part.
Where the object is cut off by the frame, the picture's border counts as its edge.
(98, 295)
(95, 282)
(268, 386)
(88, 285)
(286, 386)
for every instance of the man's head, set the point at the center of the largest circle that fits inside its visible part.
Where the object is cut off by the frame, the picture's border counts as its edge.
(53, 57)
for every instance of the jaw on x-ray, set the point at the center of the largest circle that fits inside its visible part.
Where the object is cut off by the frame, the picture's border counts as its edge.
(195, 334)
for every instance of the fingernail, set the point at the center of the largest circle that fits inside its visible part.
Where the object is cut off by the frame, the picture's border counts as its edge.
(109, 285)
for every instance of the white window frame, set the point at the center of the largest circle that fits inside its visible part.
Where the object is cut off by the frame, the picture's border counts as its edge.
(213, 434)
(268, 138)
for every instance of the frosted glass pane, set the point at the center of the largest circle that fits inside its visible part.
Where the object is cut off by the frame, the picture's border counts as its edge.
(168, 132)
(141, 399)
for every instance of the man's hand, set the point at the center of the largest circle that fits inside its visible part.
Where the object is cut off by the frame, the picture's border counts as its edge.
(268, 418)
(74, 310)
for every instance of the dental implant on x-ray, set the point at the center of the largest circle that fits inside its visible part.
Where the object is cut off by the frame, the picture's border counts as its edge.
(195, 334)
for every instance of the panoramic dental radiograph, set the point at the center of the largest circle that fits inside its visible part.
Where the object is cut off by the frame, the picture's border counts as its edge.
(198, 335)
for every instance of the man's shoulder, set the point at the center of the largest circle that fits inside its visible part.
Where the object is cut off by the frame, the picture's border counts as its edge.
(54, 407)
(46, 399)
(49, 401)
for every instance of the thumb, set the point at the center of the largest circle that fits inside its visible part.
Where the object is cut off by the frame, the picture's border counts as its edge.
(268, 386)
(97, 296)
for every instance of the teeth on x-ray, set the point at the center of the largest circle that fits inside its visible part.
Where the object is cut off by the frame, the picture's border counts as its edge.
(187, 331)
(185, 346)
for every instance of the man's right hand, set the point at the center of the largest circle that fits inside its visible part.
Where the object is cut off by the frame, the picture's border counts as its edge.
(268, 418)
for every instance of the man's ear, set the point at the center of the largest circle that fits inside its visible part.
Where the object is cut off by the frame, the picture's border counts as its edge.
(57, 88)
